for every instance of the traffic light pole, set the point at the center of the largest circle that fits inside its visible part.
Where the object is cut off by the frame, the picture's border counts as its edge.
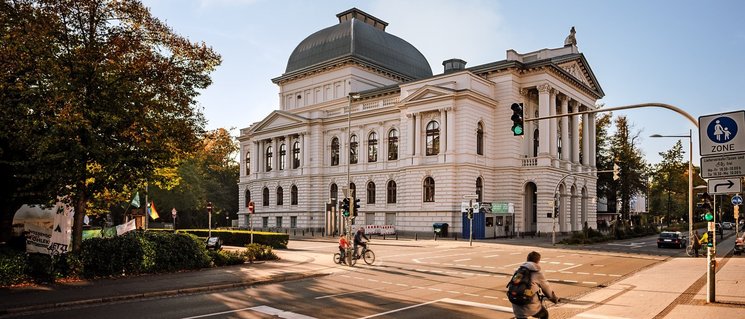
(470, 218)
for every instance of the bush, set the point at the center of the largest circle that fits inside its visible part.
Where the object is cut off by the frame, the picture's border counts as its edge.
(243, 237)
(12, 267)
(259, 252)
(227, 257)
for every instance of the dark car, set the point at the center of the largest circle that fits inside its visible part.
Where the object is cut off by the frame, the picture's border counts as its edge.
(671, 239)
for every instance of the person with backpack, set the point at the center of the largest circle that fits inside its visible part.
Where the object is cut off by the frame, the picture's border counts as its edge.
(524, 288)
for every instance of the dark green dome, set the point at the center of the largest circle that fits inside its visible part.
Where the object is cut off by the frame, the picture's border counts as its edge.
(361, 36)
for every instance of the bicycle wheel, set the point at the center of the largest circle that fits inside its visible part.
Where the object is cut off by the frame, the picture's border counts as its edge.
(368, 256)
(337, 258)
(689, 250)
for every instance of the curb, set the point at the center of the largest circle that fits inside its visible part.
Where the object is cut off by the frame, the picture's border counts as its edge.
(164, 293)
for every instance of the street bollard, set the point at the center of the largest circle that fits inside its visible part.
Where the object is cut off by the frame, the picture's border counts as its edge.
(415, 237)
(303, 232)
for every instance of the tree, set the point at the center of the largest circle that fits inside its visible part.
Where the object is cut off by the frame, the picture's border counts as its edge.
(629, 158)
(209, 174)
(116, 97)
(669, 188)
(604, 160)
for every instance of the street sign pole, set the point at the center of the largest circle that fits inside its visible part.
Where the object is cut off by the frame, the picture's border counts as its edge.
(470, 236)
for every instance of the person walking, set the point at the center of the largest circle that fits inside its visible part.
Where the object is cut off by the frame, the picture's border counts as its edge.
(539, 284)
(696, 243)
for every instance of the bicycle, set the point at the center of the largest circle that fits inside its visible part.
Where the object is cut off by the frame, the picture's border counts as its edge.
(367, 255)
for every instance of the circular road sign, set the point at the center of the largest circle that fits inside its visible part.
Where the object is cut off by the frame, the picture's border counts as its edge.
(722, 130)
(736, 200)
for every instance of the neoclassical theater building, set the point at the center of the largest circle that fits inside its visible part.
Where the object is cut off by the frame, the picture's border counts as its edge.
(358, 102)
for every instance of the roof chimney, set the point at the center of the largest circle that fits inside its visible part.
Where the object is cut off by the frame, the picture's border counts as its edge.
(454, 65)
(363, 16)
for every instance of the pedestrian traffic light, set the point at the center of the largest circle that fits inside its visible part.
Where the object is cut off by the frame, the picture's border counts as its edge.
(709, 216)
(470, 213)
(710, 238)
(356, 206)
(517, 119)
(345, 207)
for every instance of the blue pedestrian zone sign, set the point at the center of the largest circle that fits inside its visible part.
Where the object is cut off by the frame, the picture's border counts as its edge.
(718, 133)
(736, 200)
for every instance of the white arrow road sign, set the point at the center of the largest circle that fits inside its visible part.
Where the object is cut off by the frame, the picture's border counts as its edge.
(725, 186)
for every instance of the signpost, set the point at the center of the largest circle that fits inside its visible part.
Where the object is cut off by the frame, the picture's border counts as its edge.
(723, 166)
(173, 214)
(251, 210)
(471, 207)
(724, 186)
(718, 133)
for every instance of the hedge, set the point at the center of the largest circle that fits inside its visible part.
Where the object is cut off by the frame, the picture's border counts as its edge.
(243, 237)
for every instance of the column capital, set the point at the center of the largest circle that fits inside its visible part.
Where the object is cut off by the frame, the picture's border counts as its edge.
(544, 88)
(563, 98)
(525, 92)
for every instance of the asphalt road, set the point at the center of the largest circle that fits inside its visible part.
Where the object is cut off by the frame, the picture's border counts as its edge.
(443, 279)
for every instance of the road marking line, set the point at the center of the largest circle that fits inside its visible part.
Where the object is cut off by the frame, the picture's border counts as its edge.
(590, 282)
(402, 285)
(570, 281)
(597, 274)
(399, 309)
(476, 304)
(554, 262)
(386, 282)
(593, 316)
(434, 289)
(472, 295)
(516, 253)
(459, 260)
(582, 273)
(613, 275)
(453, 292)
(570, 267)
(262, 309)
(489, 267)
(491, 297)
(491, 256)
(373, 280)
(342, 294)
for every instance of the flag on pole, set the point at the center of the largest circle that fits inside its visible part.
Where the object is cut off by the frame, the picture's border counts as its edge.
(123, 228)
(151, 210)
(136, 200)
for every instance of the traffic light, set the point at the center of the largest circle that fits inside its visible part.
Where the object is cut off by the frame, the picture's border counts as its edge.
(517, 119)
(616, 172)
(710, 237)
(705, 201)
(709, 216)
(345, 207)
(356, 206)
(470, 213)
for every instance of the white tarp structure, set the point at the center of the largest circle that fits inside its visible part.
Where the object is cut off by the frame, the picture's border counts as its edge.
(37, 238)
(48, 229)
(62, 229)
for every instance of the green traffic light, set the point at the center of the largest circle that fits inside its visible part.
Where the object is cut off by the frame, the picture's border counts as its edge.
(709, 217)
(517, 130)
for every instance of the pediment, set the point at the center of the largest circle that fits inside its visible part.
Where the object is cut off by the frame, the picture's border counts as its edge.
(580, 70)
(428, 92)
(278, 120)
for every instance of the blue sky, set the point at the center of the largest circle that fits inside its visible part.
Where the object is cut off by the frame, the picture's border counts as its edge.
(690, 54)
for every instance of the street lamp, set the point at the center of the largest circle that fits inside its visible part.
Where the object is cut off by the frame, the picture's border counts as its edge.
(690, 178)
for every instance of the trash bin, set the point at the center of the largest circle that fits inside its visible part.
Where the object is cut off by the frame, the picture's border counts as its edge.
(440, 229)
(214, 243)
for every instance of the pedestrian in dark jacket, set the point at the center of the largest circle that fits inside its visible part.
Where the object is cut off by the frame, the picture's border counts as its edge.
(538, 284)
(696, 243)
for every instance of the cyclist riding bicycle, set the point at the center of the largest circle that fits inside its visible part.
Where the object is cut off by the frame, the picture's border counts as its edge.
(358, 241)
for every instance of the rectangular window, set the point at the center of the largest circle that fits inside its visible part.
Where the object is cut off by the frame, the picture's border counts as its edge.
(264, 222)
(279, 221)
(293, 221)
(369, 218)
(390, 218)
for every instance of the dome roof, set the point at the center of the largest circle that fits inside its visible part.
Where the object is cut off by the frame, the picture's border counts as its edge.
(361, 36)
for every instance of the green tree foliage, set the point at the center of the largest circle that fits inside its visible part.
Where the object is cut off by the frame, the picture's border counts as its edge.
(208, 174)
(669, 187)
(604, 159)
(629, 158)
(105, 91)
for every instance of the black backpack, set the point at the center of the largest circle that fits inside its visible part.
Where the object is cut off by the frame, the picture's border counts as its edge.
(518, 289)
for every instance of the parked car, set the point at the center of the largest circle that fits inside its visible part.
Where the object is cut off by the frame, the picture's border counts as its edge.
(671, 239)
(728, 225)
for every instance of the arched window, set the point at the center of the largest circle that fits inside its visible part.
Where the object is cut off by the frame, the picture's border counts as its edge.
(248, 163)
(353, 190)
(334, 194)
(248, 197)
(429, 189)
(353, 149)
(371, 193)
(372, 147)
(480, 139)
(535, 143)
(393, 145)
(265, 197)
(480, 190)
(433, 138)
(334, 151)
(391, 192)
(295, 155)
(282, 156)
(293, 195)
(280, 196)
(269, 159)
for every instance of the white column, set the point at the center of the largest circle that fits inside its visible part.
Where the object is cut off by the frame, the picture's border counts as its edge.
(303, 150)
(418, 149)
(543, 125)
(591, 143)
(410, 138)
(552, 123)
(260, 157)
(451, 129)
(443, 141)
(255, 158)
(575, 133)
(585, 140)
(288, 152)
(275, 154)
(565, 143)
